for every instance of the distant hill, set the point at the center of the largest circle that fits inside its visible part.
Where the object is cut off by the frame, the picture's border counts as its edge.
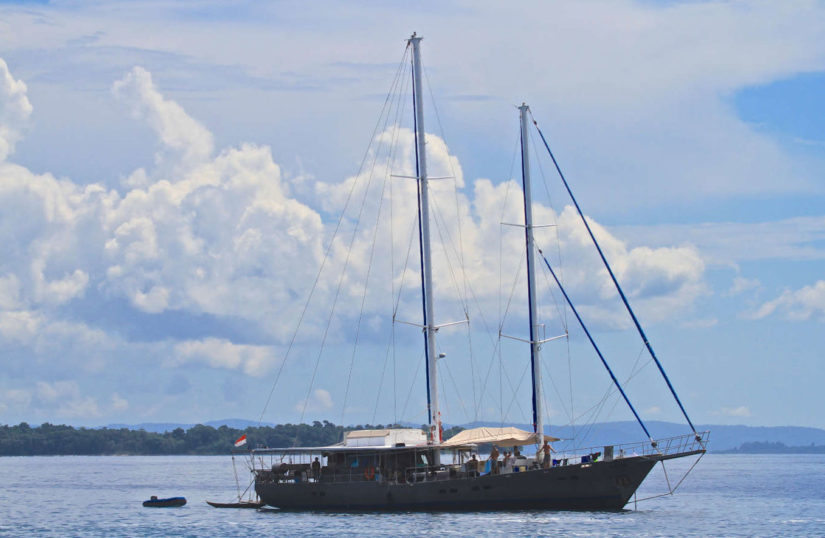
(722, 438)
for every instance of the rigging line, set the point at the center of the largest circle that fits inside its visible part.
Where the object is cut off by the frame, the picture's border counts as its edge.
(500, 385)
(633, 373)
(412, 385)
(504, 376)
(381, 379)
(397, 298)
(555, 387)
(413, 227)
(444, 244)
(337, 294)
(570, 374)
(501, 326)
(595, 410)
(515, 394)
(391, 340)
(443, 397)
(560, 309)
(438, 227)
(509, 184)
(546, 409)
(494, 341)
(455, 387)
(369, 270)
(462, 262)
(607, 393)
(452, 173)
(516, 280)
(472, 367)
(421, 226)
(615, 281)
(556, 303)
(396, 134)
(328, 249)
(563, 309)
(672, 491)
(598, 351)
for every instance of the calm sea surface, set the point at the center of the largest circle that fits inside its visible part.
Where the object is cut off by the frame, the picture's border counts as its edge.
(725, 495)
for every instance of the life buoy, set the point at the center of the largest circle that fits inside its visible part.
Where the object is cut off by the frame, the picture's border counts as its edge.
(369, 473)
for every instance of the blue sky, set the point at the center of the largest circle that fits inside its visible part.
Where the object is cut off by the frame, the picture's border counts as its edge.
(171, 174)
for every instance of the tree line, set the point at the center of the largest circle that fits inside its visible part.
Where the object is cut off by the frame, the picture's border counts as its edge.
(767, 447)
(61, 440)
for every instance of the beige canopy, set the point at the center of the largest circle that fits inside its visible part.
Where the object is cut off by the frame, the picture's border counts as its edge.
(498, 436)
(360, 434)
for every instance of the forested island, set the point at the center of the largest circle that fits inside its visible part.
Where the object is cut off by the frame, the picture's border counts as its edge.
(60, 440)
(774, 448)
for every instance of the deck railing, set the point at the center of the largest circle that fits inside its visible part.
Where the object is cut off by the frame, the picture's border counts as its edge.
(670, 447)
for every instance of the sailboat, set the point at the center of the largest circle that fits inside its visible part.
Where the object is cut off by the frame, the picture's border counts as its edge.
(410, 469)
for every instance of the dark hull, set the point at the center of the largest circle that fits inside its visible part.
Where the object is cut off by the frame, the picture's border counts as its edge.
(598, 486)
(165, 503)
(244, 504)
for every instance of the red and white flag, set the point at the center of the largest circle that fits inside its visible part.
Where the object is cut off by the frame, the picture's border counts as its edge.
(241, 441)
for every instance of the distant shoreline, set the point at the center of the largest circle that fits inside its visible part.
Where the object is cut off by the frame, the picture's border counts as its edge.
(218, 439)
(773, 448)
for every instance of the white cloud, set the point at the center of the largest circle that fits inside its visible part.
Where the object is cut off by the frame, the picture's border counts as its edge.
(15, 110)
(741, 411)
(741, 285)
(730, 243)
(19, 326)
(119, 403)
(64, 399)
(321, 400)
(187, 141)
(221, 234)
(219, 353)
(799, 305)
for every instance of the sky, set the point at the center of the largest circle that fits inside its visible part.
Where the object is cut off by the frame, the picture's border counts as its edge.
(182, 185)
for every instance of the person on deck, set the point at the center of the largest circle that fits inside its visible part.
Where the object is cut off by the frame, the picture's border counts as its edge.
(472, 466)
(494, 460)
(316, 470)
(546, 450)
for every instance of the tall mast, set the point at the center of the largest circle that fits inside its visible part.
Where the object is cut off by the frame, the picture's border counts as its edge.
(535, 345)
(424, 232)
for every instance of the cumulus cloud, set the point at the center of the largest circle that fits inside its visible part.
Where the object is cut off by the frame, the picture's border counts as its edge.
(320, 400)
(803, 304)
(221, 234)
(218, 353)
(183, 139)
(15, 110)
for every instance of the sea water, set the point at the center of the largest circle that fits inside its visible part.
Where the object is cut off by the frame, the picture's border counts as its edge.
(724, 495)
